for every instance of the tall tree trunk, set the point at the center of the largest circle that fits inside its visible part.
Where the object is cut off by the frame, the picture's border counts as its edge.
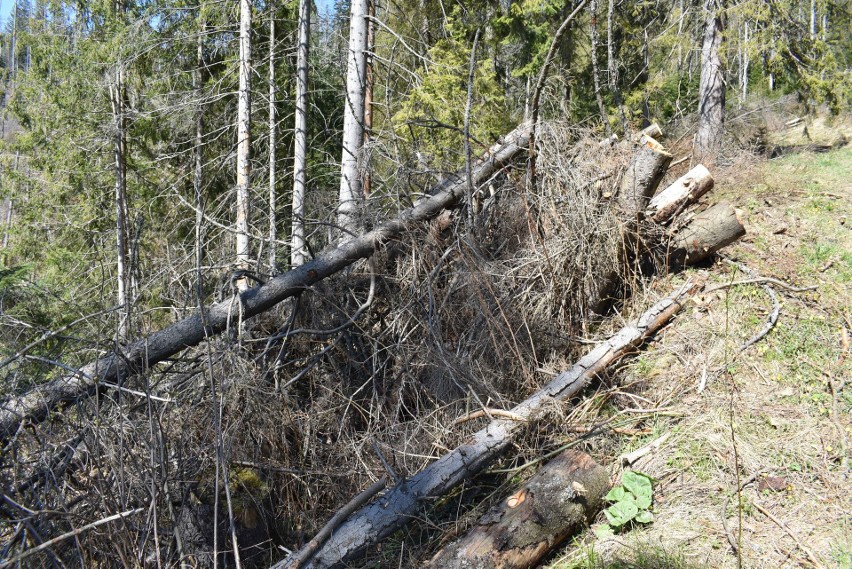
(298, 250)
(745, 61)
(273, 233)
(612, 64)
(368, 90)
(353, 120)
(244, 143)
(119, 116)
(13, 53)
(813, 26)
(197, 179)
(711, 90)
(595, 73)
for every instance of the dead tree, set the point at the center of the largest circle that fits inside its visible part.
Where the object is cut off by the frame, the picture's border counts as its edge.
(37, 403)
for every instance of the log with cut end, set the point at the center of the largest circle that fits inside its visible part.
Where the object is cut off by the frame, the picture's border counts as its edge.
(36, 404)
(643, 175)
(705, 234)
(638, 184)
(555, 503)
(685, 190)
(406, 500)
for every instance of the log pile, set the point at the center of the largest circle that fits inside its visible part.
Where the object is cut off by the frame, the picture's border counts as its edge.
(689, 240)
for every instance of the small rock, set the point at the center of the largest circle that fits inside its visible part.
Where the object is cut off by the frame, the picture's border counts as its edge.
(772, 484)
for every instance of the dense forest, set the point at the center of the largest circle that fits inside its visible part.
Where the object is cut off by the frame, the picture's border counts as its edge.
(206, 354)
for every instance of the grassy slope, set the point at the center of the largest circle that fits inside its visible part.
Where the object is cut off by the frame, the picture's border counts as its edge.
(775, 396)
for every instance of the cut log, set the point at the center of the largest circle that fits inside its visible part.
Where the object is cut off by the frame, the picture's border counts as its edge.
(638, 184)
(643, 175)
(705, 234)
(36, 404)
(557, 502)
(685, 190)
(404, 502)
(653, 130)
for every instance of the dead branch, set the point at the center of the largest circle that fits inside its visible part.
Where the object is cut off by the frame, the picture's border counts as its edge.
(36, 404)
(51, 542)
(380, 519)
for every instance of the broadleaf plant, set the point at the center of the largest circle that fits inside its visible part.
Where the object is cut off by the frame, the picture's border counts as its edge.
(631, 500)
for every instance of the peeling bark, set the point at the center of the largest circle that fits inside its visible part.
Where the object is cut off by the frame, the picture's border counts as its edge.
(555, 503)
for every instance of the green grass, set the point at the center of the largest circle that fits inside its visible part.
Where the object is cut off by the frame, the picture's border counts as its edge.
(640, 556)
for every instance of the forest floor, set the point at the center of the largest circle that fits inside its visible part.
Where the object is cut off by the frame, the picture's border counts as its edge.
(774, 419)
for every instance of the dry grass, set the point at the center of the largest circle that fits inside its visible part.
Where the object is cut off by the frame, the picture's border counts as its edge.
(767, 411)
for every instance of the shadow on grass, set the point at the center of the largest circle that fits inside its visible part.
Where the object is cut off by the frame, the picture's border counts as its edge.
(642, 556)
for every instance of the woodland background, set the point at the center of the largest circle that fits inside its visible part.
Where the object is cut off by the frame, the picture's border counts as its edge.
(150, 165)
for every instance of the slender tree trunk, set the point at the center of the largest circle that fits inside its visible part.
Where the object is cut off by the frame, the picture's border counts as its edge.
(612, 64)
(353, 121)
(368, 91)
(813, 26)
(120, 171)
(244, 142)
(273, 234)
(644, 76)
(13, 53)
(595, 73)
(711, 91)
(299, 251)
(197, 179)
(745, 63)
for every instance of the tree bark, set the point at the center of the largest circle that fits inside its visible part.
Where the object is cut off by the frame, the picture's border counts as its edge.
(711, 89)
(273, 132)
(595, 73)
(299, 250)
(404, 502)
(705, 234)
(119, 112)
(558, 501)
(244, 143)
(612, 64)
(745, 63)
(351, 195)
(643, 175)
(368, 94)
(36, 404)
(682, 192)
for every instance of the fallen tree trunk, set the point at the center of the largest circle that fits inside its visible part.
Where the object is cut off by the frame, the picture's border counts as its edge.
(685, 190)
(381, 518)
(706, 233)
(37, 403)
(558, 501)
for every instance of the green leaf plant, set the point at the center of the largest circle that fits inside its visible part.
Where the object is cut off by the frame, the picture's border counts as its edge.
(631, 500)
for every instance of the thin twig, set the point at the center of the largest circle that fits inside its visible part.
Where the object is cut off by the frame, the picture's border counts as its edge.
(835, 393)
(385, 463)
(757, 280)
(305, 553)
(731, 537)
(70, 534)
(490, 413)
(770, 321)
(813, 558)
